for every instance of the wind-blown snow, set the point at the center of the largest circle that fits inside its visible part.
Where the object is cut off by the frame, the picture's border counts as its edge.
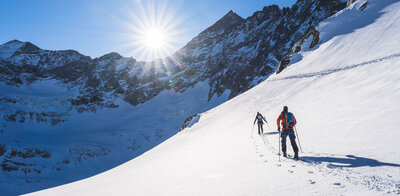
(345, 95)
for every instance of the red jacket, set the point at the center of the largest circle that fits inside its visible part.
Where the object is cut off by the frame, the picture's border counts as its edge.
(280, 118)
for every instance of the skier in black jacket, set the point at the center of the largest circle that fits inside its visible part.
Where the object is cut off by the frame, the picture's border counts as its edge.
(260, 123)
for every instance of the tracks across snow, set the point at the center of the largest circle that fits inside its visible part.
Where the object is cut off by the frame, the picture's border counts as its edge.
(331, 71)
(347, 168)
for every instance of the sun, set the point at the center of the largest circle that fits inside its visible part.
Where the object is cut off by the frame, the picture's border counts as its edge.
(154, 29)
(155, 39)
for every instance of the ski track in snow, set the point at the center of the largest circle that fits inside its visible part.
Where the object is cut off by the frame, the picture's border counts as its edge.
(331, 71)
(371, 182)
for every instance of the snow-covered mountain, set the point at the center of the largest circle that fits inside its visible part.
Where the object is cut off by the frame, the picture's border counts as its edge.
(236, 53)
(66, 116)
(344, 92)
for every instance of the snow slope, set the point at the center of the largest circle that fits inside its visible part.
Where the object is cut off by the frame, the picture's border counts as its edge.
(345, 95)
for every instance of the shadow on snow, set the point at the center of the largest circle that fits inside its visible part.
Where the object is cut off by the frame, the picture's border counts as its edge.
(348, 161)
(271, 133)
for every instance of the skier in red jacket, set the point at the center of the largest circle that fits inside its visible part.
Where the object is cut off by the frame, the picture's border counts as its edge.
(288, 122)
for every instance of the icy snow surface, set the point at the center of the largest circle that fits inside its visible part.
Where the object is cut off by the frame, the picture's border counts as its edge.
(345, 95)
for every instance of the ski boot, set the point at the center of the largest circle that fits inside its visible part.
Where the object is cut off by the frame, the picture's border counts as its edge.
(296, 155)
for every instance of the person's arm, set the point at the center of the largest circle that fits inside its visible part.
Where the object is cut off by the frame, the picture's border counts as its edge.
(278, 122)
(295, 122)
(255, 120)
(264, 119)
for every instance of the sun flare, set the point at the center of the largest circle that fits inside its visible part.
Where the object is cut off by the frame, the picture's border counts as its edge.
(155, 29)
(155, 38)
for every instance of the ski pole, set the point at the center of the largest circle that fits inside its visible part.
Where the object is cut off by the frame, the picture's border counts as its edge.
(252, 131)
(279, 152)
(268, 126)
(295, 129)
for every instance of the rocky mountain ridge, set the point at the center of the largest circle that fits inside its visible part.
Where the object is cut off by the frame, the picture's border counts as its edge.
(234, 53)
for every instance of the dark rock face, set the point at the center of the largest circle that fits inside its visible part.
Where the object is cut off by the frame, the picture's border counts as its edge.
(237, 54)
(187, 121)
(3, 149)
(349, 2)
(8, 164)
(286, 60)
(363, 6)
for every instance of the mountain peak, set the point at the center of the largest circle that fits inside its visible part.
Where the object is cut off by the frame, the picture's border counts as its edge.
(110, 56)
(12, 44)
(17, 44)
(272, 7)
(9, 48)
(15, 41)
(228, 21)
(231, 15)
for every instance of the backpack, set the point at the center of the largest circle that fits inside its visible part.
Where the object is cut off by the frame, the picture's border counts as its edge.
(288, 120)
(259, 117)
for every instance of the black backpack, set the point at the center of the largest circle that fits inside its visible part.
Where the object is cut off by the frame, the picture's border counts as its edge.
(259, 118)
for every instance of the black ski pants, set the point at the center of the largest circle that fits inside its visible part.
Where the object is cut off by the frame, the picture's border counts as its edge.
(260, 128)
(292, 138)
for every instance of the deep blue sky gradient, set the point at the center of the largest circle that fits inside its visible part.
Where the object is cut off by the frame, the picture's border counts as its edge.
(97, 27)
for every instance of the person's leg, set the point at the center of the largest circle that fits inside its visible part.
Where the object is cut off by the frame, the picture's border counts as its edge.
(283, 141)
(262, 129)
(293, 143)
(258, 128)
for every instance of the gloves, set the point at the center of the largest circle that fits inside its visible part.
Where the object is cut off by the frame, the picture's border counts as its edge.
(279, 129)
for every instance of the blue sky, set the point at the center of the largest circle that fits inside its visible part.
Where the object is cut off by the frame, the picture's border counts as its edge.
(97, 27)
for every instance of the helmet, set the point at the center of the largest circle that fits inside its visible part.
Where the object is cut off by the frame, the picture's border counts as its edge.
(285, 108)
